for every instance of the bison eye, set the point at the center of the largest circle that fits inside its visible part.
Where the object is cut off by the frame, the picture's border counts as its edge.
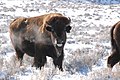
(68, 28)
(49, 29)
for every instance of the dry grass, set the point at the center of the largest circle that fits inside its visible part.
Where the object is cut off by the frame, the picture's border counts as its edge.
(78, 60)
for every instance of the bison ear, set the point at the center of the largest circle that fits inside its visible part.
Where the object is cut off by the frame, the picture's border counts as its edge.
(49, 29)
(68, 28)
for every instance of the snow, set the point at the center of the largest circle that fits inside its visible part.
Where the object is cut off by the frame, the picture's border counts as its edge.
(2, 75)
(87, 47)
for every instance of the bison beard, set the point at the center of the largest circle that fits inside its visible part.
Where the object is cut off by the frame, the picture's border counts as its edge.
(115, 44)
(36, 37)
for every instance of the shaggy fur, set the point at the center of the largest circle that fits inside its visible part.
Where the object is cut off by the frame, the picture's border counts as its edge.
(39, 37)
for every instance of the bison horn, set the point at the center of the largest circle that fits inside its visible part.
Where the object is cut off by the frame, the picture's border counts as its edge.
(48, 25)
(109, 66)
(69, 19)
(26, 21)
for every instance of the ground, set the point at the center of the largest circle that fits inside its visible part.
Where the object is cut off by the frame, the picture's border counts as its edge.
(87, 48)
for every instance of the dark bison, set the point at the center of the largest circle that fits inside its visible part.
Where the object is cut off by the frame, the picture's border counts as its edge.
(115, 44)
(39, 37)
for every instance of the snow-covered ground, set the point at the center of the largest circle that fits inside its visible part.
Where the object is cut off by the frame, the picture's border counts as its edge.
(87, 47)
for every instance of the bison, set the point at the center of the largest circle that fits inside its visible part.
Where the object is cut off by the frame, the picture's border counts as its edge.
(39, 37)
(115, 44)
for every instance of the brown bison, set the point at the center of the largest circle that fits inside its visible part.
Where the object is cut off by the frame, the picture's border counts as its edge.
(39, 37)
(115, 44)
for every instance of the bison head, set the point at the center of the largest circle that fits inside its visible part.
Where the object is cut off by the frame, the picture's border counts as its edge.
(113, 59)
(58, 26)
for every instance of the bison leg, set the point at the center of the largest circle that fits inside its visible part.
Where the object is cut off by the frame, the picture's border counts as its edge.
(38, 63)
(58, 62)
(19, 55)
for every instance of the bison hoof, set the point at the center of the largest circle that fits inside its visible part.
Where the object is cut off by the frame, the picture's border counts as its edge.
(35, 65)
(61, 69)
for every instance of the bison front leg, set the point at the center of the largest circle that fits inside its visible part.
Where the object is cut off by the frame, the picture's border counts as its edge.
(36, 63)
(58, 62)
